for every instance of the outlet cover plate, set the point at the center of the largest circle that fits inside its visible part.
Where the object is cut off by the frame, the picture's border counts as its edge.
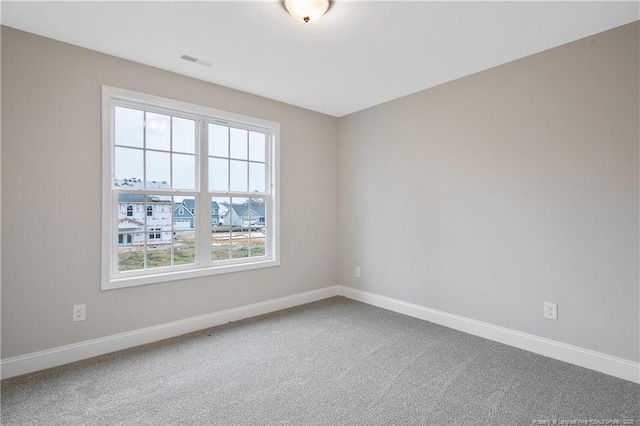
(79, 312)
(551, 311)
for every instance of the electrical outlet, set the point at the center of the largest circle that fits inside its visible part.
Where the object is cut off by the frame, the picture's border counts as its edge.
(551, 311)
(357, 272)
(79, 312)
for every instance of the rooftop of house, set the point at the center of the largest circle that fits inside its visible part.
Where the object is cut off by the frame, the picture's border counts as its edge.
(138, 198)
(137, 183)
(241, 209)
(190, 203)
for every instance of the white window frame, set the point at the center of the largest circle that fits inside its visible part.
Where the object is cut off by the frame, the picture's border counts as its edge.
(204, 266)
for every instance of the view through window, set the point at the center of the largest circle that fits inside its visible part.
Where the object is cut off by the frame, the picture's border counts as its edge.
(191, 190)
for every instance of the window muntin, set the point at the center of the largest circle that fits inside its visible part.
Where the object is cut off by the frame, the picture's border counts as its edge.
(168, 165)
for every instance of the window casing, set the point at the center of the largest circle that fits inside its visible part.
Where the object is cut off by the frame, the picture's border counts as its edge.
(160, 155)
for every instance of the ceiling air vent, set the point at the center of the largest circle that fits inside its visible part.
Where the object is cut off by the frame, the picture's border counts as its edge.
(195, 60)
(188, 58)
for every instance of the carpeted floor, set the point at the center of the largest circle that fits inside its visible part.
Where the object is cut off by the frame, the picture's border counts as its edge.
(331, 362)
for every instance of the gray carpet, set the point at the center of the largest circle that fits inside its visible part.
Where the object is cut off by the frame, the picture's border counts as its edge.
(331, 362)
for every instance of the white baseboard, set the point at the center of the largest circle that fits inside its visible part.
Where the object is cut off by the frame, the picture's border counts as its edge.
(597, 361)
(36, 361)
(587, 358)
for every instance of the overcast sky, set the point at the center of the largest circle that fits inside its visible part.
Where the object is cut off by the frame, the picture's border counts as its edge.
(170, 154)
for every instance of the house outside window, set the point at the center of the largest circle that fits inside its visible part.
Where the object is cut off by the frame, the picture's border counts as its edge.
(178, 162)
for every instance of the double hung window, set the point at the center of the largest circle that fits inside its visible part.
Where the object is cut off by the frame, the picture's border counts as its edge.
(187, 190)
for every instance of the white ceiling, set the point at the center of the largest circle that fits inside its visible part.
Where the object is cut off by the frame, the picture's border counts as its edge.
(360, 54)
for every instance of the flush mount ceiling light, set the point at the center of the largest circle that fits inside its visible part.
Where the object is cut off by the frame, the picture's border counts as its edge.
(306, 10)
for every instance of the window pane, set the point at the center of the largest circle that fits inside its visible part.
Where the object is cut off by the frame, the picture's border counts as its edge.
(239, 147)
(128, 165)
(161, 218)
(238, 176)
(240, 244)
(258, 228)
(220, 228)
(217, 209)
(131, 213)
(158, 131)
(218, 140)
(241, 223)
(158, 169)
(184, 135)
(220, 244)
(218, 174)
(184, 171)
(258, 242)
(220, 211)
(131, 252)
(256, 146)
(184, 248)
(256, 177)
(129, 124)
(158, 251)
(239, 209)
(220, 219)
(184, 213)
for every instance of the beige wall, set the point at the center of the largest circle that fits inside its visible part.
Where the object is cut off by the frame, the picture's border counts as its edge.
(483, 197)
(51, 199)
(489, 195)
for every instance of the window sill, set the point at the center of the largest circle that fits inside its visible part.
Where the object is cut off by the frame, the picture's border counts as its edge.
(112, 283)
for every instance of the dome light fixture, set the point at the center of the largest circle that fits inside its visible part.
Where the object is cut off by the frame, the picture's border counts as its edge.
(306, 10)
